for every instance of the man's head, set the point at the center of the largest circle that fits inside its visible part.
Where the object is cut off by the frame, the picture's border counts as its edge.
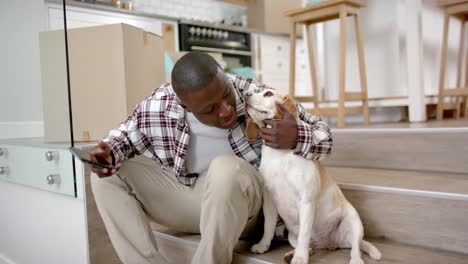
(205, 90)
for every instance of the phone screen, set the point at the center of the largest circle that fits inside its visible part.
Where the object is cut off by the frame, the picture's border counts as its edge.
(85, 157)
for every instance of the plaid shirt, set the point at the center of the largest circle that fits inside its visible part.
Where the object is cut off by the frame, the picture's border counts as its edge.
(157, 129)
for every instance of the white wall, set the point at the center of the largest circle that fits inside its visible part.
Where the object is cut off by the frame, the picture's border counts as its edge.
(201, 10)
(41, 227)
(20, 76)
(379, 25)
(433, 21)
(384, 28)
(35, 226)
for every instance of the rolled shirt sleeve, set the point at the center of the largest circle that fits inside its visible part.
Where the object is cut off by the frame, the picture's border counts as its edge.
(314, 139)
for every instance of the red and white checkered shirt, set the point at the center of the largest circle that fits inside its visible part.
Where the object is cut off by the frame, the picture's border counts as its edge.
(157, 129)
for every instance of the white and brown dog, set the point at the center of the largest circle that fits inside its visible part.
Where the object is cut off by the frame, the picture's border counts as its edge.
(314, 209)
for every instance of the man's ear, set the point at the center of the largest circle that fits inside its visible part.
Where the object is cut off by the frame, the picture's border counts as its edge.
(252, 130)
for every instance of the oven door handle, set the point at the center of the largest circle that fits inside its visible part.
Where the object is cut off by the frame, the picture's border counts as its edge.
(226, 51)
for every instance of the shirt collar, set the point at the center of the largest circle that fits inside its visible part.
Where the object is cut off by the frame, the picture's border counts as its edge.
(177, 111)
(240, 106)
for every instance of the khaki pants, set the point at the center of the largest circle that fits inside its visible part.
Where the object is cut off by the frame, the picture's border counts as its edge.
(222, 206)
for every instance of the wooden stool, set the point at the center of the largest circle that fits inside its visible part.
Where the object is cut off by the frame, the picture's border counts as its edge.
(328, 10)
(457, 9)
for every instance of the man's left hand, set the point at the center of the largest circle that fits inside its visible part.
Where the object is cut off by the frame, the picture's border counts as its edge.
(282, 134)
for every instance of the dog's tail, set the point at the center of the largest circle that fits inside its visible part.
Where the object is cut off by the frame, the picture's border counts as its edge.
(370, 249)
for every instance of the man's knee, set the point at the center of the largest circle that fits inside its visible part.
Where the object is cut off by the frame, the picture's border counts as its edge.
(101, 186)
(230, 173)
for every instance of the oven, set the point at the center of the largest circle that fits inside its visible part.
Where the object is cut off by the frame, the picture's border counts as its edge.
(234, 45)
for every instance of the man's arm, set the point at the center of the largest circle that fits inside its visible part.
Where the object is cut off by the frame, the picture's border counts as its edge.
(307, 135)
(128, 140)
(120, 144)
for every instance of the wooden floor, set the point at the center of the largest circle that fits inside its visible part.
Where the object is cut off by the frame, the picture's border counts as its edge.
(100, 246)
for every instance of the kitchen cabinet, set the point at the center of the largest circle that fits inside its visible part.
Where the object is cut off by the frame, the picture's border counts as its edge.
(272, 57)
(86, 17)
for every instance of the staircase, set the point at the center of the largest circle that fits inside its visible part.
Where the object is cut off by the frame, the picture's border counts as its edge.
(410, 187)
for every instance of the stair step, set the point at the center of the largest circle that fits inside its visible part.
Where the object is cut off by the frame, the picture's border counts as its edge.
(180, 248)
(411, 216)
(426, 183)
(424, 149)
(426, 209)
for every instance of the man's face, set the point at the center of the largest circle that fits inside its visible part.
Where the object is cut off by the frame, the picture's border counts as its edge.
(215, 104)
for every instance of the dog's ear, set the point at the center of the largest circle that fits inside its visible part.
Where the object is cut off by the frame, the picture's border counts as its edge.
(288, 104)
(252, 130)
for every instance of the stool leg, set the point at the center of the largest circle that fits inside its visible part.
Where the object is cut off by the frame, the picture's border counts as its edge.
(292, 61)
(342, 71)
(312, 68)
(466, 107)
(362, 69)
(461, 59)
(465, 112)
(443, 61)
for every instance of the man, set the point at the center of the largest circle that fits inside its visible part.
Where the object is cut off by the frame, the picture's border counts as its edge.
(206, 181)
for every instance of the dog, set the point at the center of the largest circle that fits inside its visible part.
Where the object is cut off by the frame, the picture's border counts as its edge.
(311, 204)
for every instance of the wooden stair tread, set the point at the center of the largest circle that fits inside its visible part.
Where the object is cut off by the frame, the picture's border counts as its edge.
(438, 182)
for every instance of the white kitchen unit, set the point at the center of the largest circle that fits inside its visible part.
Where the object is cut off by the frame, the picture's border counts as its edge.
(86, 17)
(272, 63)
(43, 204)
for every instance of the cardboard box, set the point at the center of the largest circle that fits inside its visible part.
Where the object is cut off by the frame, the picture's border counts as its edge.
(268, 15)
(112, 69)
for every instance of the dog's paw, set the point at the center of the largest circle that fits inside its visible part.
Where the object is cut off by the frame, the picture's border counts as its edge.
(300, 259)
(356, 261)
(259, 248)
(288, 256)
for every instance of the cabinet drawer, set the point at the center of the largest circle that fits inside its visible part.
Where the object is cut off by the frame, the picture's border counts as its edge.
(278, 65)
(279, 46)
(29, 166)
(301, 52)
(274, 46)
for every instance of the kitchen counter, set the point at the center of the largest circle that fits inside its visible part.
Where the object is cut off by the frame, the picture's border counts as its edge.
(111, 8)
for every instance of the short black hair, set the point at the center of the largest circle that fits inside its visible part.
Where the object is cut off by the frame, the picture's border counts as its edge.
(193, 71)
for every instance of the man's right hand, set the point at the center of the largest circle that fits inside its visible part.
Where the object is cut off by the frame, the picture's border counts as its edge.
(103, 153)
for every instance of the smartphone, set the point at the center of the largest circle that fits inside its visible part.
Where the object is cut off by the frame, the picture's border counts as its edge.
(85, 157)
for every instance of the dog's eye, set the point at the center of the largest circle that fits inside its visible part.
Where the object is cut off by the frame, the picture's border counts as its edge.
(268, 94)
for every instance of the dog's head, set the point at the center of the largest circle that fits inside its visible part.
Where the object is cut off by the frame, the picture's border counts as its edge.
(268, 104)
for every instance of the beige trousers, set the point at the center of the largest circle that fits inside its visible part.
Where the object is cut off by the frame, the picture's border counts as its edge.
(222, 206)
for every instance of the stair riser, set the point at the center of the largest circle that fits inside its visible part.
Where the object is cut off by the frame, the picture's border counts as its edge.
(438, 223)
(403, 149)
